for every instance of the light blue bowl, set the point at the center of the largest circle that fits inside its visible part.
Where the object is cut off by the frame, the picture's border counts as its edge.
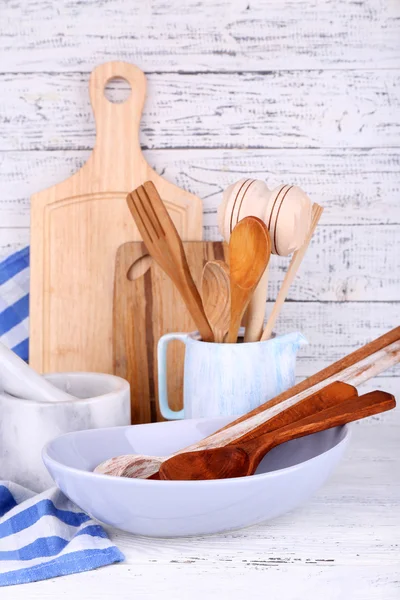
(287, 476)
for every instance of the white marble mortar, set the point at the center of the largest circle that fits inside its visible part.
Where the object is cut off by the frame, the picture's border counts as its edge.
(26, 426)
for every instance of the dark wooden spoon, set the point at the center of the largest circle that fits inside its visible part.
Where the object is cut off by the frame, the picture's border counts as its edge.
(241, 460)
(147, 467)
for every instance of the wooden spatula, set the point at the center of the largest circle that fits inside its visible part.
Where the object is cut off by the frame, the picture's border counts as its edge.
(165, 246)
(243, 459)
(249, 252)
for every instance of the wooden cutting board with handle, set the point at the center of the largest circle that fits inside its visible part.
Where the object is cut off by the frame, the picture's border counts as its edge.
(146, 306)
(78, 225)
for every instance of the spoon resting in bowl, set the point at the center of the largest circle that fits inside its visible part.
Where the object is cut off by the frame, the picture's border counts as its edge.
(141, 466)
(243, 459)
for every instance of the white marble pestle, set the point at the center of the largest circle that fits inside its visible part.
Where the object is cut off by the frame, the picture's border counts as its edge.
(19, 380)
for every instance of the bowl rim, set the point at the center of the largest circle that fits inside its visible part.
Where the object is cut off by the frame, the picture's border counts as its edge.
(181, 483)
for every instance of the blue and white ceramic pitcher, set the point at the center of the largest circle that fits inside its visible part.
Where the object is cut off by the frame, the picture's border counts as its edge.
(228, 379)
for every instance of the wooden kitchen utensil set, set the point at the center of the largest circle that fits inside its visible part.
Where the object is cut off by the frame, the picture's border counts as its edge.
(105, 289)
(327, 399)
(101, 303)
(249, 253)
(243, 459)
(286, 211)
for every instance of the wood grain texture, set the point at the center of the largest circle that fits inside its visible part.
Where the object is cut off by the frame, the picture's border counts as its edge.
(165, 246)
(359, 366)
(224, 575)
(329, 396)
(366, 362)
(206, 35)
(86, 215)
(236, 110)
(355, 186)
(344, 263)
(249, 254)
(145, 309)
(216, 296)
(243, 458)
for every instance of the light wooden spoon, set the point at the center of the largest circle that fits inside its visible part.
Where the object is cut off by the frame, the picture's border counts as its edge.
(286, 211)
(216, 294)
(249, 253)
(243, 459)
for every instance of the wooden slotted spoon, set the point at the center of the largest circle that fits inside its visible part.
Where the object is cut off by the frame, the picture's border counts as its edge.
(165, 246)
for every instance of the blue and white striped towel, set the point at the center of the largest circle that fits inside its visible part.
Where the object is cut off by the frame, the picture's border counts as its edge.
(46, 535)
(14, 302)
(41, 535)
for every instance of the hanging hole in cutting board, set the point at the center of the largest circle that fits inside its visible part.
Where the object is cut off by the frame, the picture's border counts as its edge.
(117, 90)
(139, 267)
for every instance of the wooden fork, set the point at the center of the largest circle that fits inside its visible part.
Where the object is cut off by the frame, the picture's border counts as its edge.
(165, 246)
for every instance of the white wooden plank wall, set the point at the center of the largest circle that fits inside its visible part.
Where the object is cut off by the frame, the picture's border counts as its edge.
(304, 92)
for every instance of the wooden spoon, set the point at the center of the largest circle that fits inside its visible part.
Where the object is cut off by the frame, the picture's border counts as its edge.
(242, 460)
(249, 253)
(142, 466)
(286, 211)
(165, 246)
(216, 294)
(356, 368)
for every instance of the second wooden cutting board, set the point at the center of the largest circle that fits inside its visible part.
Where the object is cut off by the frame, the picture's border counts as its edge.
(146, 306)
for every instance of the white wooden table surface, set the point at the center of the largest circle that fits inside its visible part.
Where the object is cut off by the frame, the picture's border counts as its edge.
(303, 91)
(344, 543)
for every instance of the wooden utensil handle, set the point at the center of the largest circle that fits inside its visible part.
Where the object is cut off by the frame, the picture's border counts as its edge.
(330, 396)
(291, 273)
(254, 318)
(238, 307)
(190, 295)
(366, 362)
(122, 115)
(354, 374)
(345, 412)
(354, 409)
(187, 288)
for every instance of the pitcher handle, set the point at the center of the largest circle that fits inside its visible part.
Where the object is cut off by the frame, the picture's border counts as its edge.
(162, 348)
